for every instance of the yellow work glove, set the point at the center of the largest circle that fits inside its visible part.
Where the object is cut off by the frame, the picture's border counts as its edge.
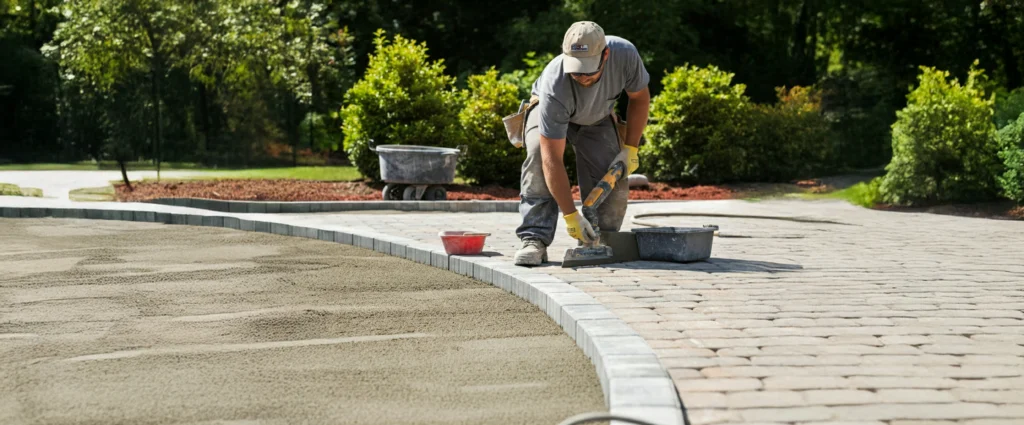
(579, 227)
(629, 155)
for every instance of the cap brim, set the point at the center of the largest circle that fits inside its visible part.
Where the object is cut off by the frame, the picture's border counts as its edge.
(582, 65)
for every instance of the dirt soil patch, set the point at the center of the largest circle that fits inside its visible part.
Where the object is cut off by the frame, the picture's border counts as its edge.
(304, 190)
(140, 323)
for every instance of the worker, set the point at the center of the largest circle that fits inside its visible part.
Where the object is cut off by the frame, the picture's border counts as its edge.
(573, 101)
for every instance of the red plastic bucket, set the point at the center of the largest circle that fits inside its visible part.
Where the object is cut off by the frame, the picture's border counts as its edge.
(463, 242)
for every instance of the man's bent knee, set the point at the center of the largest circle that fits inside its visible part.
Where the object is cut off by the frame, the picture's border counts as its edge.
(612, 211)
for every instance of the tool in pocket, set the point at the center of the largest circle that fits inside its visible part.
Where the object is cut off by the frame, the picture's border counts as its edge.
(515, 124)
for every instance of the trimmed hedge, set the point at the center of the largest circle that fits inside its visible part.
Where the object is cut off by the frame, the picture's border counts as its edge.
(944, 144)
(705, 130)
(1011, 139)
(490, 158)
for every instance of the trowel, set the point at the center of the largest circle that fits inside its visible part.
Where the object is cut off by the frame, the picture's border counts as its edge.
(610, 247)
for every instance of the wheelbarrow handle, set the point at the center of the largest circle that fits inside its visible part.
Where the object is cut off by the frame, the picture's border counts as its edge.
(463, 149)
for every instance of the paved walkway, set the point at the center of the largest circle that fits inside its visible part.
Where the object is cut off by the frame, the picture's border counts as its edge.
(845, 316)
(868, 317)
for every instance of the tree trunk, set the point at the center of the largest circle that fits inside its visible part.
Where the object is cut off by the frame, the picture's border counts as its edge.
(204, 117)
(124, 174)
(156, 74)
(1004, 33)
(1011, 66)
(295, 133)
(800, 48)
(159, 116)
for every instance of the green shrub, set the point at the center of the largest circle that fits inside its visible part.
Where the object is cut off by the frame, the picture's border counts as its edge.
(401, 99)
(705, 130)
(790, 139)
(944, 144)
(1011, 138)
(697, 128)
(490, 157)
(1009, 106)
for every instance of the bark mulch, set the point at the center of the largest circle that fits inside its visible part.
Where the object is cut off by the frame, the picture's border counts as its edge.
(305, 190)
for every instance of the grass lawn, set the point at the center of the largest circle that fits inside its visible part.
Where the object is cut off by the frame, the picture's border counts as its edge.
(296, 173)
(335, 173)
(93, 194)
(7, 189)
(102, 165)
(860, 194)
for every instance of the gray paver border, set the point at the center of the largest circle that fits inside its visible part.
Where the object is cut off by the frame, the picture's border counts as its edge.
(632, 378)
(273, 207)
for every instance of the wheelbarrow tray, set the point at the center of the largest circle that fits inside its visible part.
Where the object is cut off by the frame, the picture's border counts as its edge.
(419, 165)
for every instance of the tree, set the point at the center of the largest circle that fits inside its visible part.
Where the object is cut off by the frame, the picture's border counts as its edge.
(107, 43)
(242, 60)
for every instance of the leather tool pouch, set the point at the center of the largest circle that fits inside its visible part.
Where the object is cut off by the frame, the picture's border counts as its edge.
(515, 124)
(620, 128)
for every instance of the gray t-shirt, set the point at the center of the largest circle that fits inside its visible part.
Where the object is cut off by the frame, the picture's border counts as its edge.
(563, 101)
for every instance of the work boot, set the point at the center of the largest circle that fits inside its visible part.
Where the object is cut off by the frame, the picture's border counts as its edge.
(532, 253)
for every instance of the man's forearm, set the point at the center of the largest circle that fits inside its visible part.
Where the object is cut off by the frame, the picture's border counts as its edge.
(557, 180)
(636, 118)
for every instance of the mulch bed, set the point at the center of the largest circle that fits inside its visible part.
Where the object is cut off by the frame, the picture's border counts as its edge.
(305, 190)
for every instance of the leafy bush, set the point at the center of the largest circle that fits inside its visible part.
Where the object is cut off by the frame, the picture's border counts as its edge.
(697, 128)
(490, 157)
(944, 143)
(401, 99)
(1009, 106)
(705, 130)
(790, 139)
(1011, 138)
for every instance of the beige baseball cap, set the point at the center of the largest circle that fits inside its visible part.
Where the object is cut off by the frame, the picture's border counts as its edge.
(582, 47)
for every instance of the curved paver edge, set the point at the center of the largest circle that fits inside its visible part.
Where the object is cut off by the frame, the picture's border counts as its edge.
(286, 207)
(632, 378)
(275, 207)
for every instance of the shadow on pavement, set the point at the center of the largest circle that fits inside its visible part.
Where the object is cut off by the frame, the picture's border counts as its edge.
(714, 265)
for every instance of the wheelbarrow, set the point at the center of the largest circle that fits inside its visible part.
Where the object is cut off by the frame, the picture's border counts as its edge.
(413, 173)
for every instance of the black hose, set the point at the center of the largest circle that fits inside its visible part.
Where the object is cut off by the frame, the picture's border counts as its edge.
(602, 416)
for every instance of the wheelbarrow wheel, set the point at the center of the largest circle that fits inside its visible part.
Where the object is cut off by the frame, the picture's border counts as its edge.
(393, 192)
(409, 194)
(436, 193)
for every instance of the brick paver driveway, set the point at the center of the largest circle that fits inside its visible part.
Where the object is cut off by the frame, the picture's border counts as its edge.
(846, 316)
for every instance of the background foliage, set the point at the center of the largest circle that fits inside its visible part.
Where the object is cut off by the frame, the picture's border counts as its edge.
(1011, 139)
(944, 144)
(247, 82)
(403, 98)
